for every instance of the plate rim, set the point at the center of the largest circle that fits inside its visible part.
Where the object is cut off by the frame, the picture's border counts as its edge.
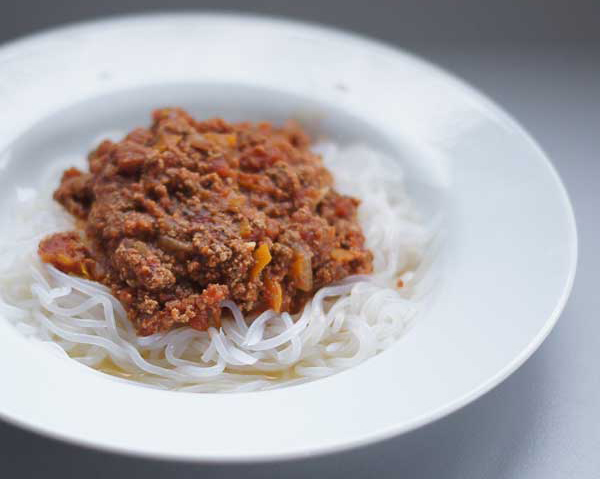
(12, 47)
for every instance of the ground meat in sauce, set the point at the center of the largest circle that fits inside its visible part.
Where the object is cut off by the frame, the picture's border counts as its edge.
(178, 217)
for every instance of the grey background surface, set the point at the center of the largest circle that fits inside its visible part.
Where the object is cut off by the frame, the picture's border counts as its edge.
(540, 60)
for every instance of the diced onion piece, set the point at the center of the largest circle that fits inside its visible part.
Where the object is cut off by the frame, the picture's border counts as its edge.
(212, 141)
(84, 270)
(222, 139)
(174, 245)
(342, 255)
(166, 142)
(235, 202)
(245, 229)
(262, 257)
(301, 271)
(274, 293)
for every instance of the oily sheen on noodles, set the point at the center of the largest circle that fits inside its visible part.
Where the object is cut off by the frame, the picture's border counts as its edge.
(344, 323)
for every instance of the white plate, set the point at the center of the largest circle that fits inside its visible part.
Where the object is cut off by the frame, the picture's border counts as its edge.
(510, 248)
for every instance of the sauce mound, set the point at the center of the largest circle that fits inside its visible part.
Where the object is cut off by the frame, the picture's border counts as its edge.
(180, 216)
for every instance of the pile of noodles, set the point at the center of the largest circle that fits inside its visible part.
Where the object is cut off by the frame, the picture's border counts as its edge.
(344, 323)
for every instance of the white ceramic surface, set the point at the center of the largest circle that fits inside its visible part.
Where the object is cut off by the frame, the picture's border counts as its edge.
(509, 252)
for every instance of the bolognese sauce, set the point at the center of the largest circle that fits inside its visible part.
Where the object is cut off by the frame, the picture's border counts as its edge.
(180, 216)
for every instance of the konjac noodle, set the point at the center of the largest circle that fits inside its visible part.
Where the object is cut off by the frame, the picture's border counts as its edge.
(238, 257)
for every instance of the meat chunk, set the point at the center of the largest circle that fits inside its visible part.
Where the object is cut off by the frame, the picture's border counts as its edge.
(139, 266)
(75, 192)
(67, 252)
(200, 311)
